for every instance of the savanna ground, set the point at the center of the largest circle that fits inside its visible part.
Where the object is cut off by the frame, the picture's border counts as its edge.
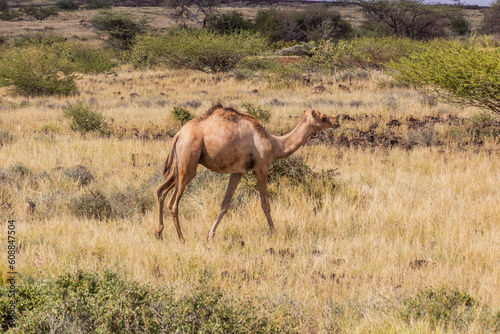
(403, 199)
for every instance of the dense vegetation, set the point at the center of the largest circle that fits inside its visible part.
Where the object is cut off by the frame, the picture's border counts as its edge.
(86, 303)
(228, 39)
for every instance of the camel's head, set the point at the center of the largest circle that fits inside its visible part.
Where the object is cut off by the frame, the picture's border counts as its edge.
(322, 121)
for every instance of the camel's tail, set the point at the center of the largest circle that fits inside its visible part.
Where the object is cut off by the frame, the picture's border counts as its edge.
(167, 168)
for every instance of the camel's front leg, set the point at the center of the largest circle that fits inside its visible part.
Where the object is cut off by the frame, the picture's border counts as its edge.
(264, 198)
(231, 188)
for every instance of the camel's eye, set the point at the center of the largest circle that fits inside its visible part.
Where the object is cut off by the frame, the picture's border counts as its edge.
(324, 118)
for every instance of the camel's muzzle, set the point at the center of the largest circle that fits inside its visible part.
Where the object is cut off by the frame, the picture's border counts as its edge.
(335, 122)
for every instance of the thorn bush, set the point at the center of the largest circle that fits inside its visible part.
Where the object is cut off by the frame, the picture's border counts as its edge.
(84, 119)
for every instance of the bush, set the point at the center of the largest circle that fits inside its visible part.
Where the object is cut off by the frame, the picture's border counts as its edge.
(79, 174)
(10, 15)
(465, 73)
(87, 58)
(261, 113)
(121, 28)
(84, 57)
(91, 205)
(84, 119)
(40, 13)
(67, 5)
(196, 49)
(366, 53)
(131, 201)
(452, 308)
(37, 39)
(227, 22)
(460, 26)
(281, 76)
(84, 302)
(313, 23)
(182, 115)
(50, 128)
(37, 71)
(294, 171)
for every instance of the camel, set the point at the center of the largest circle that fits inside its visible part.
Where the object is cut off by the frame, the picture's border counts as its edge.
(227, 141)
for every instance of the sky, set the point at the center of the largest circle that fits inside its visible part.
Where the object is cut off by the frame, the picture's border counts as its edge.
(467, 2)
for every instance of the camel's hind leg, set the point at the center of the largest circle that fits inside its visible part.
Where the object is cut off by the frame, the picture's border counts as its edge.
(173, 204)
(185, 171)
(233, 184)
(161, 193)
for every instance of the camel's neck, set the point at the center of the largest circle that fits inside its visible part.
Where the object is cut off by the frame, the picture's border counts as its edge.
(285, 145)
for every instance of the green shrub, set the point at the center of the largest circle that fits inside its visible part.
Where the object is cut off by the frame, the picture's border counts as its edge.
(84, 119)
(37, 39)
(121, 28)
(50, 128)
(84, 302)
(261, 113)
(87, 58)
(452, 308)
(361, 52)
(182, 115)
(256, 64)
(10, 15)
(39, 12)
(465, 73)
(36, 71)
(67, 5)
(196, 49)
(460, 26)
(283, 76)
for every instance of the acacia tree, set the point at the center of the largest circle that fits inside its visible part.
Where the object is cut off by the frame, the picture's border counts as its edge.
(192, 10)
(407, 18)
(464, 73)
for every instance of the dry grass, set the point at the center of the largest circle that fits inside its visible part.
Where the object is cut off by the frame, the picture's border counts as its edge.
(348, 250)
(340, 262)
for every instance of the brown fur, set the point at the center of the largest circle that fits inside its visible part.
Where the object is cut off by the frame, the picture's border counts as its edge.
(227, 141)
(231, 115)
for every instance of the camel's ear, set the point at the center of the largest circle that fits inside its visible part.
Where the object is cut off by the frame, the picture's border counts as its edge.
(316, 114)
(305, 111)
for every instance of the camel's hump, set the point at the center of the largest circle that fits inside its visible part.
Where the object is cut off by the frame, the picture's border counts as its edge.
(232, 115)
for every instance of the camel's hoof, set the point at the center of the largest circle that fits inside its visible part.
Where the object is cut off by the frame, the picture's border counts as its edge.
(158, 235)
(210, 235)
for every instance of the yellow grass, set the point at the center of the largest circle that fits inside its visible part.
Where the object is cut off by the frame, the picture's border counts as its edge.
(352, 246)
